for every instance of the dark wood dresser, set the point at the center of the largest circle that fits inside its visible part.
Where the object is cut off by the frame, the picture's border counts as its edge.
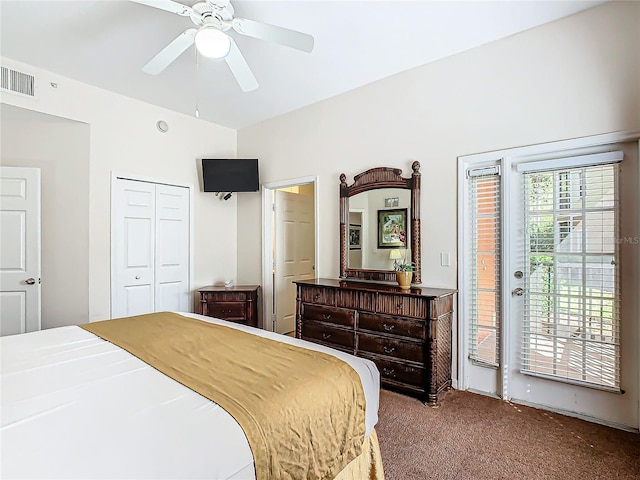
(407, 333)
(237, 304)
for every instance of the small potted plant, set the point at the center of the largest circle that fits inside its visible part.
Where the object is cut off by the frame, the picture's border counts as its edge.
(404, 270)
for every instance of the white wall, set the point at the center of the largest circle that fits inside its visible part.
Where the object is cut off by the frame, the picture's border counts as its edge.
(123, 138)
(575, 77)
(60, 148)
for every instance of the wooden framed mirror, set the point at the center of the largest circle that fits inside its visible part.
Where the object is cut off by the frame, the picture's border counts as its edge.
(367, 245)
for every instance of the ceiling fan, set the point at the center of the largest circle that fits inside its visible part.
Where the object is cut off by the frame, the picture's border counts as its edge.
(212, 19)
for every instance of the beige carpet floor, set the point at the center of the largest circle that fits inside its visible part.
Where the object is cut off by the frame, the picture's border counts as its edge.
(476, 437)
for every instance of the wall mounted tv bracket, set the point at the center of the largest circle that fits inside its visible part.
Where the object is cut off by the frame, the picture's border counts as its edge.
(224, 195)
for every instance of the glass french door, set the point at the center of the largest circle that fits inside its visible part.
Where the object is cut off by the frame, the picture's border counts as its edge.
(564, 298)
(550, 275)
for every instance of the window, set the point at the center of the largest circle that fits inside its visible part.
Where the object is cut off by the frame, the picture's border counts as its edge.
(485, 311)
(572, 294)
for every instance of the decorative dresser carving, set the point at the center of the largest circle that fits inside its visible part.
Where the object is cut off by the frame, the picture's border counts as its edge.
(407, 333)
(391, 181)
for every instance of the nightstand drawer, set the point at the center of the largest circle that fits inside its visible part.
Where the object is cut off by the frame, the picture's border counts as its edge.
(321, 313)
(378, 344)
(225, 296)
(406, 327)
(228, 309)
(327, 334)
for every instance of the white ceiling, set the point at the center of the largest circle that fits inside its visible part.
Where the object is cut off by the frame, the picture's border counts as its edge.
(106, 43)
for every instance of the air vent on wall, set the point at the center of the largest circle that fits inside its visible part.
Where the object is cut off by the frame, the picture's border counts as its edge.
(17, 82)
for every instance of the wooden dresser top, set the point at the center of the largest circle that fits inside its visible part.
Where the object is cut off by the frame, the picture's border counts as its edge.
(381, 287)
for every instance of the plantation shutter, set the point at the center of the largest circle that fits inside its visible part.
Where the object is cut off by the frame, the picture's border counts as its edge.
(572, 290)
(485, 308)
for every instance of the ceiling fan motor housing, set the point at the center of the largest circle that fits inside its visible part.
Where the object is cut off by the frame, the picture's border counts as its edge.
(211, 14)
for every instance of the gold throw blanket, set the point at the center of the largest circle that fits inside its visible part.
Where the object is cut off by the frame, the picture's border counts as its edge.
(302, 411)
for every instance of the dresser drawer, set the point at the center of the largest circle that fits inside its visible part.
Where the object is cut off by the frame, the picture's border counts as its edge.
(325, 296)
(378, 344)
(322, 313)
(402, 305)
(327, 334)
(228, 309)
(399, 372)
(358, 300)
(406, 327)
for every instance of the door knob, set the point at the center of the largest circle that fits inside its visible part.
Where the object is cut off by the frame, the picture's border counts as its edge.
(518, 292)
(30, 281)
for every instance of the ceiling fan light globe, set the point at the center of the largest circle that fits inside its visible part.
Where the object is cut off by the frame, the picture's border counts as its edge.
(212, 43)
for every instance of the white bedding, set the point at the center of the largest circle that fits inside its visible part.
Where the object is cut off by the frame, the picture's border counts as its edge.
(76, 406)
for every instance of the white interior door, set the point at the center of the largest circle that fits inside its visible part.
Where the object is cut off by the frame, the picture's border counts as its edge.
(19, 250)
(294, 253)
(172, 249)
(134, 206)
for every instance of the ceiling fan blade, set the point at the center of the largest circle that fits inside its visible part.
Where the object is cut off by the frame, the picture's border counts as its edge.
(240, 68)
(169, 53)
(218, 5)
(272, 33)
(168, 5)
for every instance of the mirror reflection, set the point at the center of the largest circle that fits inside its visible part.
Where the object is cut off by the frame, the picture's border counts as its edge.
(378, 232)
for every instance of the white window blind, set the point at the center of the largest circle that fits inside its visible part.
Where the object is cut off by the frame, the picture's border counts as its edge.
(572, 289)
(485, 308)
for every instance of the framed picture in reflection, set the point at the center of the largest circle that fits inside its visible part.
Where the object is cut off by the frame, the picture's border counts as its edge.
(392, 228)
(355, 240)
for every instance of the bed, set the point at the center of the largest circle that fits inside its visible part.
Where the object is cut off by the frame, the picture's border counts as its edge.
(77, 406)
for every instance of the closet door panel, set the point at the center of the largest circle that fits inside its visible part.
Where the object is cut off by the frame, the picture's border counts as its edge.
(134, 248)
(172, 248)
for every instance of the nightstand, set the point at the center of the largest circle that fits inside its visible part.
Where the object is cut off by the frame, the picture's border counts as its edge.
(236, 304)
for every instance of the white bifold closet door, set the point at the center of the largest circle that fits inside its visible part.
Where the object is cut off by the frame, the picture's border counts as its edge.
(151, 248)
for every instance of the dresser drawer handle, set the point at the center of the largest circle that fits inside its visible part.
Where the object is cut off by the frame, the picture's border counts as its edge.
(317, 296)
(399, 305)
(388, 328)
(389, 372)
(326, 316)
(326, 336)
(388, 349)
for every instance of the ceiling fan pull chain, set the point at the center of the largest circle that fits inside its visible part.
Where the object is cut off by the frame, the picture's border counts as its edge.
(196, 80)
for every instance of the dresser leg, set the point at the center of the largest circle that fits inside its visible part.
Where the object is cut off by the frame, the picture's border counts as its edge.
(432, 401)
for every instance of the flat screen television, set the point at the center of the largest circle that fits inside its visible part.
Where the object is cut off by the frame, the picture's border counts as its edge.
(230, 175)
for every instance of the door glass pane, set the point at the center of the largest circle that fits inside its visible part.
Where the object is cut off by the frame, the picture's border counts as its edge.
(572, 292)
(485, 284)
